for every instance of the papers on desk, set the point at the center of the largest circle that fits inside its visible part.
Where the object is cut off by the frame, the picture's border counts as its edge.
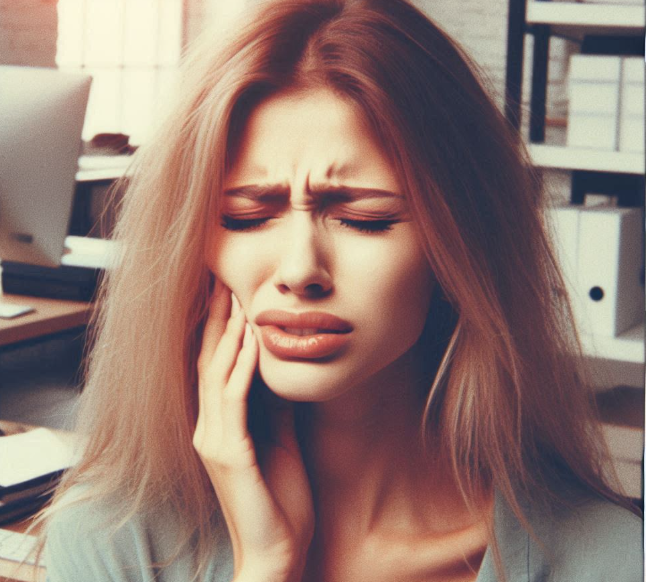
(31, 463)
(88, 252)
(94, 168)
(27, 455)
(17, 546)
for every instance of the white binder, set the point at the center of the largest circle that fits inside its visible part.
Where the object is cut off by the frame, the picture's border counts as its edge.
(610, 268)
(564, 224)
(599, 249)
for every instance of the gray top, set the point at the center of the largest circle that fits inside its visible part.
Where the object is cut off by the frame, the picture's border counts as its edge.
(597, 542)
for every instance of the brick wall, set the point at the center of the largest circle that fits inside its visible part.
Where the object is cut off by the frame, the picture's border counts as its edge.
(481, 29)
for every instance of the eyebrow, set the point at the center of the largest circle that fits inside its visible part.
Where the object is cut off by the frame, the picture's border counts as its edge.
(276, 193)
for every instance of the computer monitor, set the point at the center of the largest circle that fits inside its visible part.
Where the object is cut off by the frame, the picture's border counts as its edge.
(41, 119)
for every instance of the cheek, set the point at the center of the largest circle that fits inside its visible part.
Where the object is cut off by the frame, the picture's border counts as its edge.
(238, 261)
(397, 291)
(223, 256)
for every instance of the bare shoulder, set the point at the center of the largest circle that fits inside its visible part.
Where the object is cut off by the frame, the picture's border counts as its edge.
(594, 541)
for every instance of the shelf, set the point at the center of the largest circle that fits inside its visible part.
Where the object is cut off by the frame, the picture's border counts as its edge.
(566, 158)
(606, 18)
(628, 347)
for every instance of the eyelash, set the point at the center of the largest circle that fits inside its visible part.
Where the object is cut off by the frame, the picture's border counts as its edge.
(366, 226)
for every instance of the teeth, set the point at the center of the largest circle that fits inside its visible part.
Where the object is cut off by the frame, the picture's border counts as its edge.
(300, 330)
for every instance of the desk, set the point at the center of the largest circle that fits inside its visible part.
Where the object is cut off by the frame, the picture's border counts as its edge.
(51, 316)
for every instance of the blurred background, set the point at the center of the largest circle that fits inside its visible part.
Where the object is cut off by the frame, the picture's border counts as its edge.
(132, 48)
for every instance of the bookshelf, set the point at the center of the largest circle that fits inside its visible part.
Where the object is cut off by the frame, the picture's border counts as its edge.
(627, 347)
(568, 158)
(544, 19)
(571, 17)
(598, 27)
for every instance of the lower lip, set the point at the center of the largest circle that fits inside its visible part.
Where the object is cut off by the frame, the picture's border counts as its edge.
(286, 345)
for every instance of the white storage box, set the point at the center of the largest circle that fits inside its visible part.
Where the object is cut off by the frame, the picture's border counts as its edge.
(631, 116)
(594, 102)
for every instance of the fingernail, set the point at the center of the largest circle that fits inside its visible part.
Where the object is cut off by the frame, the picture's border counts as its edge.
(235, 305)
(247, 334)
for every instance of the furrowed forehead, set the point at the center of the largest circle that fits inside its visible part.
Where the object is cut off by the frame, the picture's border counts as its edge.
(280, 192)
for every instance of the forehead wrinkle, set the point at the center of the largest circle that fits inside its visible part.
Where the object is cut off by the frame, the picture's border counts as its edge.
(276, 192)
(340, 171)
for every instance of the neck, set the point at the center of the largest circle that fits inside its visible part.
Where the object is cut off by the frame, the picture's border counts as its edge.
(382, 504)
(366, 460)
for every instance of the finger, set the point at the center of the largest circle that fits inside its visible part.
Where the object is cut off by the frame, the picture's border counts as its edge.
(235, 305)
(215, 374)
(226, 352)
(236, 393)
(213, 329)
(216, 321)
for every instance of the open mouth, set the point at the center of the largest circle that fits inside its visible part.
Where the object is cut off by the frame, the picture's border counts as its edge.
(311, 335)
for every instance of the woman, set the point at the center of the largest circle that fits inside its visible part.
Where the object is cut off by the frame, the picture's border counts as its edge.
(336, 346)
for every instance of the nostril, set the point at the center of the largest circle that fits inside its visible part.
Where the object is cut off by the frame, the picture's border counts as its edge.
(315, 290)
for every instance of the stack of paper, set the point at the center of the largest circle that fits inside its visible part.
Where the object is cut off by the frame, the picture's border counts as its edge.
(92, 253)
(31, 463)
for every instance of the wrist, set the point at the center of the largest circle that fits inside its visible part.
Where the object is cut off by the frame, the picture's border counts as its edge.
(270, 570)
(265, 575)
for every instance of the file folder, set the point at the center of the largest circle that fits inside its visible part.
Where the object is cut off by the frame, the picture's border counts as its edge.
(610, 268)
(564, 223)
(599, 250)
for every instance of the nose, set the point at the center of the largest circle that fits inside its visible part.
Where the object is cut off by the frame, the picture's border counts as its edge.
(302, 266)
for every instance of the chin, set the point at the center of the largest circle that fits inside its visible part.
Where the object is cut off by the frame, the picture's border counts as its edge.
(304, 381)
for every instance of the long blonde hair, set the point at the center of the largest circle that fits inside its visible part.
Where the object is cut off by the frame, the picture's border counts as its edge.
(508, 401)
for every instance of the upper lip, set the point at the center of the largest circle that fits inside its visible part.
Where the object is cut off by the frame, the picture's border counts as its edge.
(307, 320)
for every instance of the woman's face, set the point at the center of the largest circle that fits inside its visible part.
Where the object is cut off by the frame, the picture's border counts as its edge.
(315, 223)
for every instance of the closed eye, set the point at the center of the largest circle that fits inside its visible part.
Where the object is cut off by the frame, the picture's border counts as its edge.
(231, 223)
(368, 225)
